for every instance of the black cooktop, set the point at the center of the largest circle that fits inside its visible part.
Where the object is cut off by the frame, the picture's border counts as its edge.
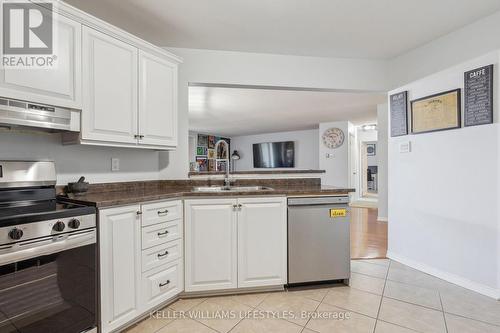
(27, 212)
(34, 204)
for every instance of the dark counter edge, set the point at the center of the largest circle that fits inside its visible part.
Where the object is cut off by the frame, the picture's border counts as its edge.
(255, 172)
(189, 194)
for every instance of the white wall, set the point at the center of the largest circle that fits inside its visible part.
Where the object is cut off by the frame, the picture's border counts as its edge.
(74, 161)
(337, 164)
(382, 114)
(458, 46)
(444, 196)
(306, 148)
(224, 67)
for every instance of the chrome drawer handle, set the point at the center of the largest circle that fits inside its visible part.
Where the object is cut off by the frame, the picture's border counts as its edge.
(163, 212)
(162, 233)
(164, 284)
(161, 255)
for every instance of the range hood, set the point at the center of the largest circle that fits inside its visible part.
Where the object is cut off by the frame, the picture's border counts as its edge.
(17, 113)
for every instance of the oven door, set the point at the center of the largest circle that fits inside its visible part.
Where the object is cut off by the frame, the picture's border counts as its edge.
(49, 284)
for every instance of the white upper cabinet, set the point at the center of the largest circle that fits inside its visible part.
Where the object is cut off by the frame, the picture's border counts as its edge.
(110, 85)
(157, 101)
(60, 85)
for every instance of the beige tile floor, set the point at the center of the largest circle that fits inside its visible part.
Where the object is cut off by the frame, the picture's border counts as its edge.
(384, 297)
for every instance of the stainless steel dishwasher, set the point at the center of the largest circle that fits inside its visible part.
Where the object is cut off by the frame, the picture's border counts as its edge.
(318, 240)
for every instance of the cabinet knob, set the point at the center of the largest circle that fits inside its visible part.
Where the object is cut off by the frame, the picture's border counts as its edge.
(139, 212)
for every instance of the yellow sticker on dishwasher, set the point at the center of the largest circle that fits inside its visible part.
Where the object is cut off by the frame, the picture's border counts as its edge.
(338, 212)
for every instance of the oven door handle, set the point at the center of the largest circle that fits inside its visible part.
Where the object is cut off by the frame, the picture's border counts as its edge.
(32, 249)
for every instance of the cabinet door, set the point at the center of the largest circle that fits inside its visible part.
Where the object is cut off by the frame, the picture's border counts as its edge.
(262, 242)
(60, 85)
(157, 101)
(210, 241)
(109, 89)
(120, 265)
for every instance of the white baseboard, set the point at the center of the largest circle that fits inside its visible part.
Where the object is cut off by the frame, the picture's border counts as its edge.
(452, 278)
(382, 219)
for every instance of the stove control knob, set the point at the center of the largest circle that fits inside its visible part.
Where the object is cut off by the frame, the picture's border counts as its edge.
(58, 226)
(16, 234)
(74, 223)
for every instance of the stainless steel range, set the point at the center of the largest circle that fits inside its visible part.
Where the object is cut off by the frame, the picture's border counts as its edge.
(48, 255)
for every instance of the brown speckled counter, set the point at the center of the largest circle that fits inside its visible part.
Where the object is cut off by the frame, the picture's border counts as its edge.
(117, 194)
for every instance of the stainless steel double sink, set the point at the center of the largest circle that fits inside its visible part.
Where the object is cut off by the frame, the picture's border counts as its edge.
(212, 189)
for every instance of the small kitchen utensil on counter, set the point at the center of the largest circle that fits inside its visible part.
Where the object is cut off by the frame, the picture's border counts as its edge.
(79, 188)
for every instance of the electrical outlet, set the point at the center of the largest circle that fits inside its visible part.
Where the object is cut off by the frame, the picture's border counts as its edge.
(115, 164)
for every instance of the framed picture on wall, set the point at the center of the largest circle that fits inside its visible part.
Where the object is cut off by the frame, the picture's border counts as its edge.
(437, 112)
(399, 114)
(212, 165)
(371, 149)
(202, 140)
(211, 153)
(221, 165)
(211, 142)
(201, 151)
(202, 163)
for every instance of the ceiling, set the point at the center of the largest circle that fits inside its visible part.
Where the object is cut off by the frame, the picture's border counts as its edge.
(375, 29)
(243, 111)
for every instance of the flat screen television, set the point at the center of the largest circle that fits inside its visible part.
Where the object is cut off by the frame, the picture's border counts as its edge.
(274, 155)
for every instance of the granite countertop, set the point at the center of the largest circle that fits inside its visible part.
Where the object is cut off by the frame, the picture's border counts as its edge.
(137, 195)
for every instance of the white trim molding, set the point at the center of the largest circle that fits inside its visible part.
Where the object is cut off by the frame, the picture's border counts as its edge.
(382, 219)
(452, 278)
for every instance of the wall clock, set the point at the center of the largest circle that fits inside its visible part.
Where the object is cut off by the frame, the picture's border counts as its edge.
(333, 138)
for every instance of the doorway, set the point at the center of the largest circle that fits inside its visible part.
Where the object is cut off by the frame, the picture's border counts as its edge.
(369, 169)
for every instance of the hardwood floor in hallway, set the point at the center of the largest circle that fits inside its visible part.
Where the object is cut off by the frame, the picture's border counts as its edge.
(368, 236)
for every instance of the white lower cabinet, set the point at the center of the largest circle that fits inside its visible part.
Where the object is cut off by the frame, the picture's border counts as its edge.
(141, 260)
(120, 262)
(262, 242)
(210, 244)
(235, 243)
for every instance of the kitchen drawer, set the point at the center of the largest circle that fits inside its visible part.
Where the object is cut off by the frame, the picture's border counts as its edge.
(161, 254)
(161, 233)
(159, 212)
(162, 283)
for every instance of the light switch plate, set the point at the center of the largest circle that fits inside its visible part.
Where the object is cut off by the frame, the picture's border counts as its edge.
(115, 164)
(405, 147)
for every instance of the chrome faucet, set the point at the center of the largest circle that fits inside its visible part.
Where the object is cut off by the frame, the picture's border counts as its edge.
(227, 181)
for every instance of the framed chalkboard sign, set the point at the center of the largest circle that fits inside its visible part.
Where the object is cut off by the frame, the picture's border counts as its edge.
(399, 113)
(478, 96)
